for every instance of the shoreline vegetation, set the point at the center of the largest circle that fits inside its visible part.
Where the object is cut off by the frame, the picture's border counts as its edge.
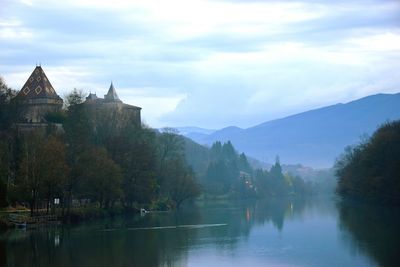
(84, 166)
(94, 212)
(83, 159)
(370, 171)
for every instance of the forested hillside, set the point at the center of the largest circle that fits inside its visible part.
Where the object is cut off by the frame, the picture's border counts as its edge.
(313, 138)
(222, 171)
(90, 160)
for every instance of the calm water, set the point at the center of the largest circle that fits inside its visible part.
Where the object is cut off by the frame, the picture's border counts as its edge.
(274, 232)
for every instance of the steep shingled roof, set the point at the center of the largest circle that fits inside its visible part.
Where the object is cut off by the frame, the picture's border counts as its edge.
(111, 96)
(37, 86)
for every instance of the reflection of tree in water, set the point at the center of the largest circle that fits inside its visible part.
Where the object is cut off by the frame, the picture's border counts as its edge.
(3, 253)
(276, 210)
(241, 216)
(118, 242)
(373, 230)
(87, 246)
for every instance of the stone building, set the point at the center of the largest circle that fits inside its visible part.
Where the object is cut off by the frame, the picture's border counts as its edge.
(112, 110)
(36, 99)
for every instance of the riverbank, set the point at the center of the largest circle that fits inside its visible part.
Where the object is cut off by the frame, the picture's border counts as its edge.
(4, 215)
(81, 214)
(75, 215)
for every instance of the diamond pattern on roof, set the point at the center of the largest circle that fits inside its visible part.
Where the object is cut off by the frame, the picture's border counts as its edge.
(26, 90)
(38, 90)
(43, 87)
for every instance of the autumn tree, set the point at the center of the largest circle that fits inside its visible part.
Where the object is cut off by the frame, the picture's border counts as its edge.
(53, 169)
(100, 177)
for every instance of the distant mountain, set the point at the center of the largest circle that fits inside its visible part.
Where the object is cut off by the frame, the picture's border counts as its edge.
(194, 130)
(194, 133)
(313, 138)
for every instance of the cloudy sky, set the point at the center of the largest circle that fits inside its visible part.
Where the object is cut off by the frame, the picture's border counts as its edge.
(207, 63)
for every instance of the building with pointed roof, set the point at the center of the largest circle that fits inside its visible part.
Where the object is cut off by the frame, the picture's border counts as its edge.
(111, 95)
(112, 109)
(37, 98)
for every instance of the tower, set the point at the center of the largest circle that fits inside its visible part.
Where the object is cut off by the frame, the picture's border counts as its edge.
(111, 95)
(37, 98)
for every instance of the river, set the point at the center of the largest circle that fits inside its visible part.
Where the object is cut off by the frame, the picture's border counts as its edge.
(267, 232)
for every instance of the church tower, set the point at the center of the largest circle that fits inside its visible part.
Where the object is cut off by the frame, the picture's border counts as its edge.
(37, 98)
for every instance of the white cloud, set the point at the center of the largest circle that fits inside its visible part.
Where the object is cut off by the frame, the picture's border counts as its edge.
(12, 29)
(154, 107)
(377, 43)
(27, 2)
(210, 63)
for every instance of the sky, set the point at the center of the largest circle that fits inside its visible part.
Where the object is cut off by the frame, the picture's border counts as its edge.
(203, 63)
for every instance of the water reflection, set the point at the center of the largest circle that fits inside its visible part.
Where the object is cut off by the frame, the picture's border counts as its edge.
(373, 230)
(225, 226)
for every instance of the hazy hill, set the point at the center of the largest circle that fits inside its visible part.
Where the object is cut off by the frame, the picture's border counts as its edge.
(313, 138)
(191, 129)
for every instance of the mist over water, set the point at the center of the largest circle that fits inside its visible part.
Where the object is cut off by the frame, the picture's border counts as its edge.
(267, 232)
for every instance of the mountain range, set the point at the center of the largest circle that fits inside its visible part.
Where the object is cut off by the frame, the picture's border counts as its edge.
(313, 138)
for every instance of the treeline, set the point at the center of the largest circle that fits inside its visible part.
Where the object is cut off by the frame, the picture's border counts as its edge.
(90, 160)
(223, 171)
(84, 157)
(371, 170)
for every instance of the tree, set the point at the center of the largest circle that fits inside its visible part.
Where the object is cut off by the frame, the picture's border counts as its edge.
(8, 111)
(75, 97)
(100, 177)
(243, 164)
(54, 169)
(134, 150)
(371, 170)
(181, 183)
(42, 171)
(78, 132)
(28, 180)
(278, 181)
(218, 178)
(5, 167)
(170, 147)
